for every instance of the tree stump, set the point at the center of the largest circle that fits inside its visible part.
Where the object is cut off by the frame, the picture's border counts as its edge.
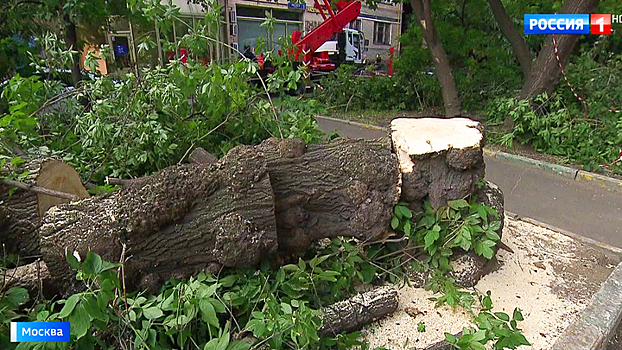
(22, 211)
(440, 159)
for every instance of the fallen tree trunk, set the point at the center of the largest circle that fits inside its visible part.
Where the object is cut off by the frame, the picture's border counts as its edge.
(173, 225)
(347, 187)
(23, 209)
(360, 310)
(182, 219)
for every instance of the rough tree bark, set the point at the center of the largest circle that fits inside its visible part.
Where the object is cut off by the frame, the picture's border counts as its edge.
(451, 99)
(545, 72)
(184, 218)
(22, 211)
(343, 188)
(360, 310)
(521, 51)
(440, 160)
(173, 225)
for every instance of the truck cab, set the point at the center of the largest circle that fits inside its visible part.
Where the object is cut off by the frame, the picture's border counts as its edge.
(352, 44)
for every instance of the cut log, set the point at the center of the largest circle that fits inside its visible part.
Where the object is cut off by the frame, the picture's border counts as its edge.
(186, 217)
(22, 211)
(346, 187)
(440, 159)
(360, 310)
(201, 156)
(35, 277)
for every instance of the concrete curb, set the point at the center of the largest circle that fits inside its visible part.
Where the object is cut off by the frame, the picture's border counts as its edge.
(362, 125)
(572, 235)
(595, 326)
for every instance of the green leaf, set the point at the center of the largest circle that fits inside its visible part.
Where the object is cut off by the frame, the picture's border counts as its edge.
(93, 310)
(211, 345)
(80, 321)
(287, 309)
(228, 281)
(93, 264)
(290, 267)
(407, 227)
(502, 316)
(398, 212)
(152, 313)
(239, 345)
(479, 335)
(457, 204)
(405, 211)
(16, 297)
(451, 338)
(492, 235)
(395, 222)
(431, 237)
(223, 341)
(70, 304)
(71, 259)
(208, 313)
(518, 315)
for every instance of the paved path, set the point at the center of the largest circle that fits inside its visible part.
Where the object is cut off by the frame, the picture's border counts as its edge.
(578, 207)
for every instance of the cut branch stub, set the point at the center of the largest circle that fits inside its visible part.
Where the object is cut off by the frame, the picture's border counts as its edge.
(22, 211)
(440, 159)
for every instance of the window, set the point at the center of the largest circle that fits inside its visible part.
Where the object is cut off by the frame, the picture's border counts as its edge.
(382, 33)
(356, 24)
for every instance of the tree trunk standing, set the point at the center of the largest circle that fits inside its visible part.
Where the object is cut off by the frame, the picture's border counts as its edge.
(451, 99)
(521, 51)
(545, 72)
(71, 38)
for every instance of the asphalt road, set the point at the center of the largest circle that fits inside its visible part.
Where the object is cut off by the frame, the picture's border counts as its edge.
(579, 207)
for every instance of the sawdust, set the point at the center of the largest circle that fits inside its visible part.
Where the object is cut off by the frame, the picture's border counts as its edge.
(526, 279)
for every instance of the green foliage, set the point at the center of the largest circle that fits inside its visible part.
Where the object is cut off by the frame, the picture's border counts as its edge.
(558, 124)
(460, 224)
(450, 294)
(492, 326)
(344, 91)
(279, 307)
(421, 327)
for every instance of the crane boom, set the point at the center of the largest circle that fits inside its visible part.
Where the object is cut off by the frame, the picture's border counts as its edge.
(333, 23)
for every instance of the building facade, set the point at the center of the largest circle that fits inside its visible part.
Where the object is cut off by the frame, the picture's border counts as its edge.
(381, 27)
(240, 29)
